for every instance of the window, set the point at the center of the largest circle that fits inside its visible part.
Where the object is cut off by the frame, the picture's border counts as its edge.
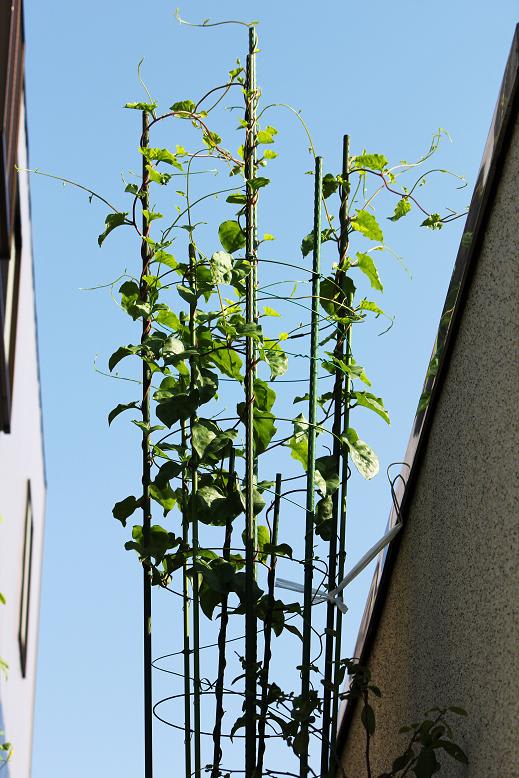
(9, 294)
(23, 633)
(11, 93)
(11, 87)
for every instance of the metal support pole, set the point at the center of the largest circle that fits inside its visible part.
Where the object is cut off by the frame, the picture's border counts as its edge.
(337, 428)
(267, 631)
(250, 524)
(146, 472)
(310, 481)
(194, 522)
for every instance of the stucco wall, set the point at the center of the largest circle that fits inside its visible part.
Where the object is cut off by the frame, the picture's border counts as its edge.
(21, 459)
(448, 632)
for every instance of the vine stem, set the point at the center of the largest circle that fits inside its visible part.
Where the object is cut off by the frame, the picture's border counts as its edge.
(194, 522)
(310, 481)
(186, 645)
(222, 637)
(250, 524)
(337, 451)
(146, 472)
(267, 631)
(343, 246)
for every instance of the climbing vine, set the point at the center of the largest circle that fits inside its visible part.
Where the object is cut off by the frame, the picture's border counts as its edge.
(213, 518)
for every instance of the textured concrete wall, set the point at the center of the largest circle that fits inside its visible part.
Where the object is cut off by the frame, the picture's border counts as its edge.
(448, 633)
(21, 460)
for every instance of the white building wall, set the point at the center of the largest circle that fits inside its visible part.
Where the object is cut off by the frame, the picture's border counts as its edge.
(21, 460)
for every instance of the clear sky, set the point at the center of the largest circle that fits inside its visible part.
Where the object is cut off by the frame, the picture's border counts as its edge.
(389, 75)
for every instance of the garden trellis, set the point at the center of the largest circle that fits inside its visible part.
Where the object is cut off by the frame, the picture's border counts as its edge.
(206, 336)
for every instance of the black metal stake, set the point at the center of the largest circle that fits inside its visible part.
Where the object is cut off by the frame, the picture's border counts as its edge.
(146, 473)
(336, 453)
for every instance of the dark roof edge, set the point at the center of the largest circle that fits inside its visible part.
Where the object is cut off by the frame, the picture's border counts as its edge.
(466, 261)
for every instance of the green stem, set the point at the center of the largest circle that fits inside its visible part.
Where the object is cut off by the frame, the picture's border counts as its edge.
(186, 645)
(267, 631)
(310, 481)
(250, 524)
(222, 636)
(146, 477)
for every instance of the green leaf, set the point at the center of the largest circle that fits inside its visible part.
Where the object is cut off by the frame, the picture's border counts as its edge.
(351, 369)
(369, 305)
(112, 221)
(159, 542)
(161, 155)
(334, 298)
(363, 457)
(368, 719)
(169, 319)
(163, 258)
(177, 408)
(2, 599)
(300, 742)
(121, 353)
(298, 443)
(327, 476)
(226, 360)
(188, 294)
(231, 236)
(266, 135)
(184, 105)
(307, 244)
(263, 427)
(258, 183)
(204, 432)
(150, 107)
(211, 139)
(236, 199)
(124, 509)
(151, 215)
(269, 154)
(164, 495)
(330, 185)
(262, 539)
(168, 471)
(269, 311)
(131, 300)
(368, 267)
(373, 403)
(275, 358)
(119, 409)
(434, 222)
(283, 549)
(402, 208)
(323, 515)
(365, 223)
(264, 396)
(158, 177)
(370, 161)
(221, 265)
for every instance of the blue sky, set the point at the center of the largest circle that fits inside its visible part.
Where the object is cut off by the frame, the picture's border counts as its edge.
(390, 75)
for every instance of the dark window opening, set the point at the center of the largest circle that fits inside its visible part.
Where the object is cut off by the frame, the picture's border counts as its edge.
(9, 299)
(25, 595)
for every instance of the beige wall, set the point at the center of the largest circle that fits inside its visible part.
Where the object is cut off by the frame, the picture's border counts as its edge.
(21, 459)
(448, 632)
